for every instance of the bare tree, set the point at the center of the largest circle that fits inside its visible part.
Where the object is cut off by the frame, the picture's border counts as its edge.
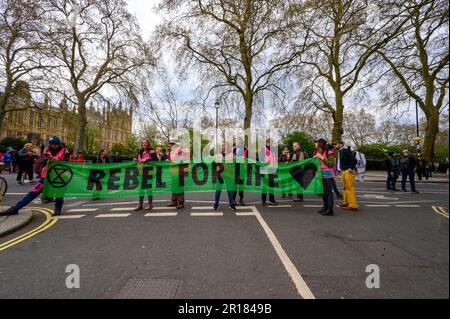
(360, 127)
(341, 50)
(97, 47)
(163, 105)
(386, 132)
(315, 123)
(19, 48)
(239, 43)
(419, 60)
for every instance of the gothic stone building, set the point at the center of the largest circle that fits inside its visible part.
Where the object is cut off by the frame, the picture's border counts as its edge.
(37, 124)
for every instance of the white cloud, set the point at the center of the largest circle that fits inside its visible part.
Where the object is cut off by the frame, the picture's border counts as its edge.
(144, 10)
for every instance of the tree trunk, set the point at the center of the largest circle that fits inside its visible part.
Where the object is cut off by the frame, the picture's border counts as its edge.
(338, 119)
(3, 103)
(248, 99)
(431, 133)
(82, 124)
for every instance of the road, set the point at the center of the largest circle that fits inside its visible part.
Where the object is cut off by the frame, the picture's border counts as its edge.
(288, 251)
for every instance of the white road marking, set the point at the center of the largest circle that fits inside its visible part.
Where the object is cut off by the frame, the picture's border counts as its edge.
(112, 215)
(245, 214)
(82, 210)
(79, 203)
(201, 208)
(218, 214)
(378, 205)
(123, 209)
(312, 206)
(164, 208)
(408, 206)
(281, 206)
(300, 284)
(161, 215)
(69, 217)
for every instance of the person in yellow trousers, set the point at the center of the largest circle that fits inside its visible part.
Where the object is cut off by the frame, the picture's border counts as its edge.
(347, 165)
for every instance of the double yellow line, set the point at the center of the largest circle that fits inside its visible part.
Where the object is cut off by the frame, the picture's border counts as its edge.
(49, 222)
(441, 211)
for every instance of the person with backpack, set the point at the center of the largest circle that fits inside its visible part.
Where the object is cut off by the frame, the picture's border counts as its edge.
(407, 166)
(347, 165)
(298, 155)
(145, 154)
(326, 158)
(392, 166)
(55, 152)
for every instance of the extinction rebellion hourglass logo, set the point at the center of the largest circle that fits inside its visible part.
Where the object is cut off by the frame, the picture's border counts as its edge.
(59, 176)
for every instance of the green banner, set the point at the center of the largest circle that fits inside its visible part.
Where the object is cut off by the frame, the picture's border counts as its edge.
(66, 179)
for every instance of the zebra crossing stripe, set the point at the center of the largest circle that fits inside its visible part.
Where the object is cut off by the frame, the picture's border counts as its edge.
(82, 210)
(112, 215)
(218, 214)
(161, 215)
(70, 217)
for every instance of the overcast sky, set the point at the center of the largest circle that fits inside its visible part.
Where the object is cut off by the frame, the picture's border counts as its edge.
(144, 12)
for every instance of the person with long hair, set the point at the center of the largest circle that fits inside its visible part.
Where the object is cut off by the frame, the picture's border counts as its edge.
(145, 154)
(326, 158)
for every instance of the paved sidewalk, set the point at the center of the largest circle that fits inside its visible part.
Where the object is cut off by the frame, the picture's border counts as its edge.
(10, 224)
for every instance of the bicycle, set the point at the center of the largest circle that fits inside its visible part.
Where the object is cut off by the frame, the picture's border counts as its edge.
(3, 182)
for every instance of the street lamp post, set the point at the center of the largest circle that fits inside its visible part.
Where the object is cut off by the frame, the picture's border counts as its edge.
(217, 106)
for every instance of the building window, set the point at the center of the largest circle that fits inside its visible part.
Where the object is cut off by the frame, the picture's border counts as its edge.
(39, 122)
(20, 117)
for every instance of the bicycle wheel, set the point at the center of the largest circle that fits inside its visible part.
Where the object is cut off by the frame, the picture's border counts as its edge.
(3, 186)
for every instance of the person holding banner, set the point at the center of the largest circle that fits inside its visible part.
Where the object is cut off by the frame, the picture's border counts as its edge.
(326, 158)
(145, 154)
(239, 151)
(55, 152)
(297, 156)
(227, 176)
(266, 155)
(177, 155)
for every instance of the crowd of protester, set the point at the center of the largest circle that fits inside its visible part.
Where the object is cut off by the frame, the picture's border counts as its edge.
(335, 158)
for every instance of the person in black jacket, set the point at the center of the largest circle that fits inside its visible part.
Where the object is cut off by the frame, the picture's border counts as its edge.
(393, 169)
(407, 166)
(347, 165)
(285, 158)
(297, 155)
(422, 167)
(25, 163)
(145, 154)
(102, 157)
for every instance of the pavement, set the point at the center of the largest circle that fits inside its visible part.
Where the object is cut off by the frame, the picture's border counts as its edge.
(288, 251)
(11, 224)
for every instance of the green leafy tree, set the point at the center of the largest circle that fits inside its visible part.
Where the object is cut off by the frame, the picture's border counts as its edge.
(306, 142)
(15, 143)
